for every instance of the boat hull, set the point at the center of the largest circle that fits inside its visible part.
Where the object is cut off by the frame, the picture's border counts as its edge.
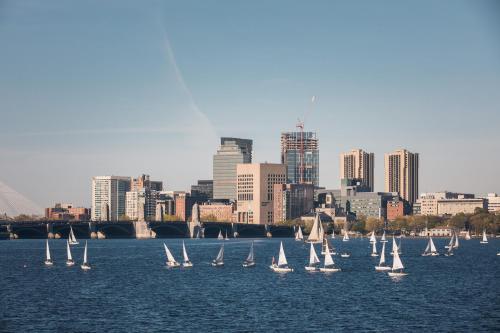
(311, 268)
(281, 269)
(329, 270)
(172, 264)
(397, 274)
(217, 264)
(248, 264)
(374, 255)
(382, 268)
(482, 242)
(73, 243)
(70, 263)
(187, 264)
(49, 263)
(85, 267)
(345, 255)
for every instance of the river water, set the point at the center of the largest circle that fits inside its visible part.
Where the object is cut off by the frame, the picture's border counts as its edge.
(129, 289)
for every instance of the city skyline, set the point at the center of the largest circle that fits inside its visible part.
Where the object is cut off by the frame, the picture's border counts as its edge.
(133, 95)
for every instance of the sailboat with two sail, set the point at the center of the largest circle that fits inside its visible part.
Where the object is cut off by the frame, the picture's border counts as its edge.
(298, 235)
(328, 265)
(71, 238)
(430, 250)
(374, 249)
(69, 260)
(186, 262)
(282, 265)
(373, 239)
(346, 236)
(171, 262)
(250, 260)
(313, 260)
(219, 260)
(48, 258)
(317, 232)
(383, 239)
(381, 264)
(397, 269)
(85, 265)
(395, 245)
(220, 237)
(451, 242)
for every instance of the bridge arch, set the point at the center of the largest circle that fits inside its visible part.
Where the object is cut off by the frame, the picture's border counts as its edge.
(170, 230)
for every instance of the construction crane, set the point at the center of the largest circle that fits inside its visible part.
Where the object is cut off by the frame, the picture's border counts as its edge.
(300, 126)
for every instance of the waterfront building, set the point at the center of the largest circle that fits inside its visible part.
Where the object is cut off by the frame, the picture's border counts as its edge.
(203, 190)
(449, 203)
(401, 174)
(493, 202)
(232, 151)
(184, 205)
(140, 205)
(255, 187)
(397, 208)
(64, 211)
(293, 146)
(292, 201)
(217, 212)
(358, 164)
(108, 197)
(143, 182)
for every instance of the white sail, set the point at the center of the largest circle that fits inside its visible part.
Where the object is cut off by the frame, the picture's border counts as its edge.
(485, 239)
(374, 248)
(220, 235)
(456, 241)
(282, 258)
(394, 245)
(372, 237)
(184, 253)
(346, 236)
(452, 240)
(72, 238)
(427, 248)
(47, 252)
(299, 235)
(396, 262)
(467, 235)
(383, 239)
(250, 257)
(220, 255)
(68, 251)
(328, 257)
(316, 234)
(85, 254)
(170, 257)
(313, 258)
(382, 256)
(333, 233)
(433, 247)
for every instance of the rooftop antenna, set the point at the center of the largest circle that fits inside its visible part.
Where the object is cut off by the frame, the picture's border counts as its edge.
(300, 126)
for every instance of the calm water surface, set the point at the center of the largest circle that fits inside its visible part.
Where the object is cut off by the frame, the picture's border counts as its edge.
(129, 289)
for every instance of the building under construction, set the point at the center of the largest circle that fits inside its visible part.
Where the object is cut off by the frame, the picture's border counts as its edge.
(300, 154)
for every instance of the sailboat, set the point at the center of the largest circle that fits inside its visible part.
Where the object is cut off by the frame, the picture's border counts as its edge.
(186, 262)
(485, 239)
(326, 244)
(397, 265)
(430, 250)
(69, 261)
(220, 237)
(219, 260)
(467, 235)
(374, 249)
(171, 262)
(71, 237)
(317, 233)
(383, 239)
(85, 265)
(48, 259)
(313, 260)
(395, 246)
(250, 260)
(298, 235)
(455, 246)
(452, 241)
(333, 233)
(282, 265)
(372, 237)
(329, 265)
(346, 236)
(381, 264)
(227, 238)
(449, 252)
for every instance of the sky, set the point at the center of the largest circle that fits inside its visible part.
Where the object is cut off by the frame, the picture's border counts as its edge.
(129, 87)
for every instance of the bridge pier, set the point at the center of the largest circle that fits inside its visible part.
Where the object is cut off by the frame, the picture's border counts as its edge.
(142, 230)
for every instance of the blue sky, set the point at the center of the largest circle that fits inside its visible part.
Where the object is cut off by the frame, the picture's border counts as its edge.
(129, 87)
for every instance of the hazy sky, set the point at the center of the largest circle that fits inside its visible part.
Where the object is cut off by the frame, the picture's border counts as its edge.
(129, 87)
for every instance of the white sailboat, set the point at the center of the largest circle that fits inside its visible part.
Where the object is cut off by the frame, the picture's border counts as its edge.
(430, 250)
(220, 237)
(85, 265)
(69, 261)
(313, 260)
(381, 264)
(250, 260)
(48, 259)
(326, 244)
(171, 262)
(372, 237)
(455, 246)
(71, 237)
(298, 235)
(452, 241)
(449, 252)
(329, 265)
(282, 265)
(333, 233)
(186, 262)
(467, 235)
(395, 246)
(374, 249)
(227, 238)
(317, 233)
(397, 265)
(383, 239)
(485, 239)
(219, 260)
(346, 236)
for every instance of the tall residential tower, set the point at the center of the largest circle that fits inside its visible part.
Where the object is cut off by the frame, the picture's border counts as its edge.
(232, 151)
(401, 174)
(358, 164)
(108, 197)
(294, 147)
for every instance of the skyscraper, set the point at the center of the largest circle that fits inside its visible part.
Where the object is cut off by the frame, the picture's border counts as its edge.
(108, 197)
(294, 145)
(358, 164)
(232, 151)
(401, 174)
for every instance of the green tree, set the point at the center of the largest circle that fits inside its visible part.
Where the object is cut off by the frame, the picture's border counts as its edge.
(373, 223)
(210, 218)
(171, 218)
